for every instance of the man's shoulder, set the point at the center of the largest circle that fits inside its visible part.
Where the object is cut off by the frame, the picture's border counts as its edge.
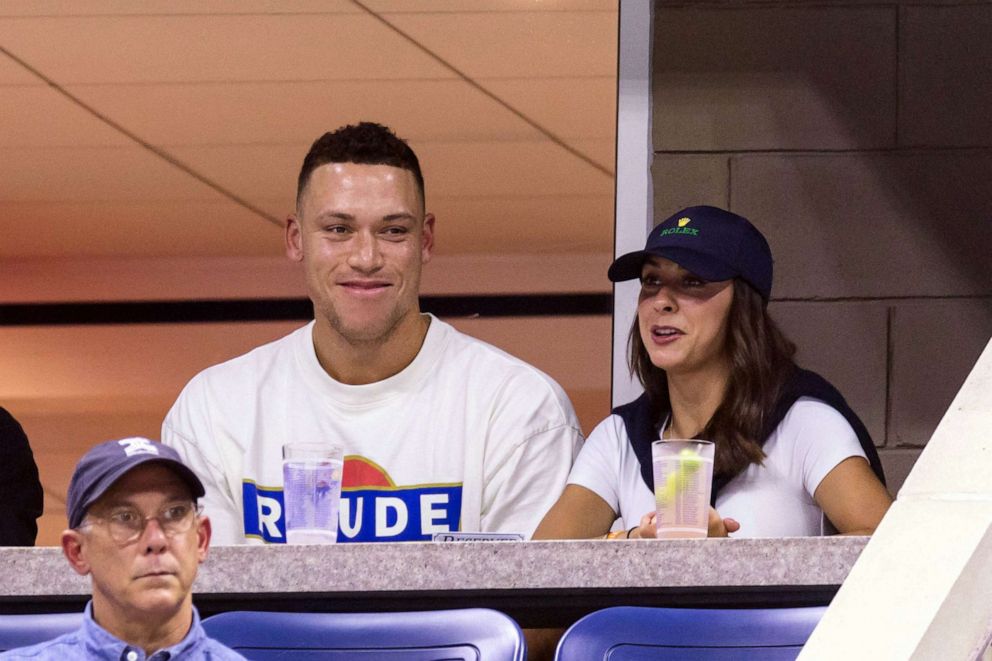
(66, 646)
(488, 356)
(499, 370)
(224, 388)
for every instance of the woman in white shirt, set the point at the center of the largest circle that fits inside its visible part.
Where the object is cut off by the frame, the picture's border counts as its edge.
(791, 458)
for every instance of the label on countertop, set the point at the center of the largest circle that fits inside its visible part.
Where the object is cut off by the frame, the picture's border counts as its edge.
(478, 537)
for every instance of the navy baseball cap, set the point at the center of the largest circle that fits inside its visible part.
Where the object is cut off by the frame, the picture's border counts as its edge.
(108, 462)
(709, 242)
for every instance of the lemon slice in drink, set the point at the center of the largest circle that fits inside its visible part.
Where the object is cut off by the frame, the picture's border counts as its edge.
(689, 462)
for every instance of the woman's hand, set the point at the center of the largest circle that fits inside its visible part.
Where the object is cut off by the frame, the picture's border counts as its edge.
(718, 526)
(647, 529)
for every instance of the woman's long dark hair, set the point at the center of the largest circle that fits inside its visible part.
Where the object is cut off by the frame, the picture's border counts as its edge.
(761, 361)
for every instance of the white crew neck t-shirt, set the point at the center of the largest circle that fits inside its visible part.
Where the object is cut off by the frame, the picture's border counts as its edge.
(466, 437)
(771, 500)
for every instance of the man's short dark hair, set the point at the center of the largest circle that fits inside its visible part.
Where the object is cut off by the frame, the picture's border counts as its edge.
(365, 143)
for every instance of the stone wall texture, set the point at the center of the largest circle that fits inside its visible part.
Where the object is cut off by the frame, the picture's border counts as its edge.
(857, 137)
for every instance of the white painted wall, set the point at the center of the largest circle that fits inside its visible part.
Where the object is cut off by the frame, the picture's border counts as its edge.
(634, 210)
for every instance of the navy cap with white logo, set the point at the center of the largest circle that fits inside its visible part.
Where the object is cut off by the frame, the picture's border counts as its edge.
(108, 462)
(711, 243)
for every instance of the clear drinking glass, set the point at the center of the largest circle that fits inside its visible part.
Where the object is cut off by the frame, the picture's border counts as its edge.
(311, 491)
(683, 478)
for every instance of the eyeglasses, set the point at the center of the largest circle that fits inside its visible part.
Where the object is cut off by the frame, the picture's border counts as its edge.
(127, 524)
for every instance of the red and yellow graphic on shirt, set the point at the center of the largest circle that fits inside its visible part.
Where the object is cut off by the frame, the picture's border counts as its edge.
(361, 472)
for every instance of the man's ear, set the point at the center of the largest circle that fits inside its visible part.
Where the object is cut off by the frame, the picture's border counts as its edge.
(203, 534)
(294, 238)
(74, 550)
(427, 242)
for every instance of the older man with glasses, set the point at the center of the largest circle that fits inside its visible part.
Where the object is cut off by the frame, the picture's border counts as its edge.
(136, 529)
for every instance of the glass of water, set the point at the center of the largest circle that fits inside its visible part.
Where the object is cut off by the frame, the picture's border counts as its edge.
(311, 491)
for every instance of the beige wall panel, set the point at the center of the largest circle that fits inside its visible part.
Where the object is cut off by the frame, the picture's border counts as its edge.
(601, 151)
(50, 526)
(934, 347)
(55, 280)
(496, 168)
(591, 407)
(81, 174)
(115, 7)
(519, 44)
(163, 48)
(137, 228)
(897, 464)
(501, 168)
(734, 78)
(532, 273)
(401, 6)
(561, 224)
(945, 88)
(12, 73)
(570, 107)
(297, 113)
(688, 180)
(263, 172)
(61, 124)
(573, 350)
(872, 225)
(116, 367)
(845, 343)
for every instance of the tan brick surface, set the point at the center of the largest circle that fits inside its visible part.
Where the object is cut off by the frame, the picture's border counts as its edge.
(945, 90)
(687, 180)
(845, 343)
(730, 78)
(935, 346)
(856, 225)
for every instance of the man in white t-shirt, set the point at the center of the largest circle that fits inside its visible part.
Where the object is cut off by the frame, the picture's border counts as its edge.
(441, 432)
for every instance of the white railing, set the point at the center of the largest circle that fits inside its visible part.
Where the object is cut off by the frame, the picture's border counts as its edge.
(922, 588)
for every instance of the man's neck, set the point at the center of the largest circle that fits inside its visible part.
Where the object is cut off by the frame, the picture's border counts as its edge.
(144, 630)
(361, 363)
(695, 397)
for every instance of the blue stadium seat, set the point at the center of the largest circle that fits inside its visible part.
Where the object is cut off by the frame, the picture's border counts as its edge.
(474, 634)
(689, 634)
(23, 630)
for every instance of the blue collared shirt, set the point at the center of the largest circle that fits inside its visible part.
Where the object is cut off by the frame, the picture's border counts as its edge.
(91, 641)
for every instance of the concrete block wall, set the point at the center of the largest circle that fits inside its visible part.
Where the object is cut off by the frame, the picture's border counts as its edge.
(857, 137)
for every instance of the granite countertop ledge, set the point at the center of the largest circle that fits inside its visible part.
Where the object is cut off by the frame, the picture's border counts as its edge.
(428, 566)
